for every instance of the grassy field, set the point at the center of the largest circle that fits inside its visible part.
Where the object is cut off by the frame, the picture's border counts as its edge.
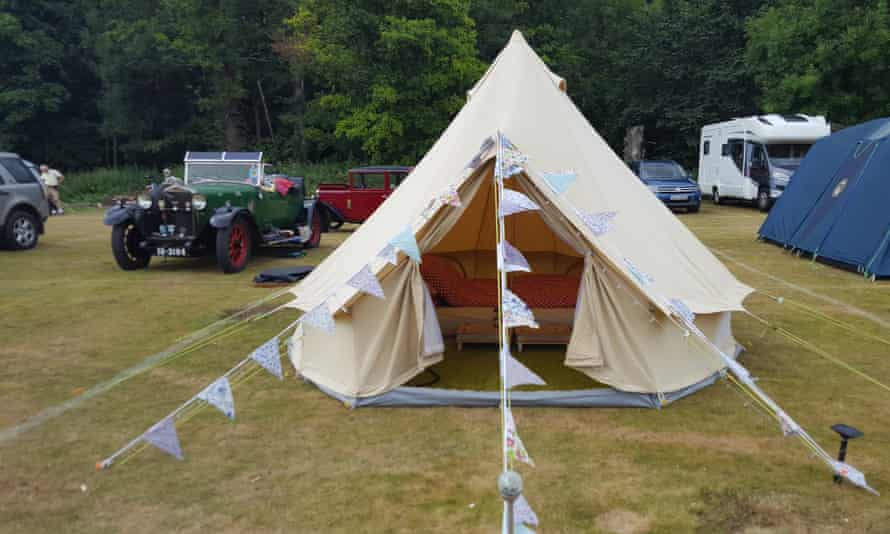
(298, 461)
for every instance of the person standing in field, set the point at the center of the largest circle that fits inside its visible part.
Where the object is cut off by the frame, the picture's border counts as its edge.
(52, 179)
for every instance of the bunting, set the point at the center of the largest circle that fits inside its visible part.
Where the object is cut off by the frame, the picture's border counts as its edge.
(560, 181)
(516, 312)
(517, 374)
(390, 254)
(599, 223)
(681, 310)
(366, 282)
(510, 259)
(320, 317)
(523, 513)
(643, 278)
(515, 202)
(510, 160)
(515, 448)
(406, 242)
(450, 197)
(269, 358)
(219, 395)
(163, 436)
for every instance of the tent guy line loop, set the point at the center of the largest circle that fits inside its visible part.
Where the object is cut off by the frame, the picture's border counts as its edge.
(182, 345)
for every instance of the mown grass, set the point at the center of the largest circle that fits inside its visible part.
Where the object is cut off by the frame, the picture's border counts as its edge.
(297, 461)
(99, 185)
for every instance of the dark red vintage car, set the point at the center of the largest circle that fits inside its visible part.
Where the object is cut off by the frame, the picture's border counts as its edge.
(357, 199)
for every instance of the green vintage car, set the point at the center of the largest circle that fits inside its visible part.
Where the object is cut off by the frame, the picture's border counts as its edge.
(226, 204)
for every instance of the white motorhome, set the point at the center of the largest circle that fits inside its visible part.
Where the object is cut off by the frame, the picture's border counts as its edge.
(753, 158)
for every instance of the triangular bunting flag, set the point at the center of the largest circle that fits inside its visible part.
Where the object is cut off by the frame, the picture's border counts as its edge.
(515, 202)
(163, 436)
(219, 394)
(390, 254)
(511, 260)
(517, 374)
(366, 282)
(560, 181)
(598, 223)
(320, 317)
(523, 513)
(450, 197)
(682, 310)
(516, 312)
(510, 160)
(643, 278)
(515, 448)
(268, 356)
(406, 242)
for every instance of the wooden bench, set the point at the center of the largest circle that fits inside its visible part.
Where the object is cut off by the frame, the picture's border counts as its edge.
(478, 332)
(545, 335)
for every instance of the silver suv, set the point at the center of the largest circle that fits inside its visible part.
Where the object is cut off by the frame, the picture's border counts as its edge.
(23, 204)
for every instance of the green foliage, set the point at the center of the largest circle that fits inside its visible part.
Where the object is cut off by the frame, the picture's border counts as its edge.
(99, 185)
(823, 57)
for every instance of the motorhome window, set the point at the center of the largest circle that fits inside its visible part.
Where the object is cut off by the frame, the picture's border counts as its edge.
(736, 152)
(662, 171)
(707, 148)
(764, 121)
(237, 172)
(758, 168)
(794, 118)
(787, 155)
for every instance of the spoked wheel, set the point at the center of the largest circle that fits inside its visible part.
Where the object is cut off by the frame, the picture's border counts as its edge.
(21, 230)
(315, 236)
(234, 246)
(125, 241)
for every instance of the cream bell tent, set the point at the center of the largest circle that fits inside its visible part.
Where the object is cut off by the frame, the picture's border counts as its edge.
(592, 252)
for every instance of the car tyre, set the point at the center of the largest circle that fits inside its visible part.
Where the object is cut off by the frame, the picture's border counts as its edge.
(715, 196)
(125, 239)
(22, 230)
(763, 201)
(694, 208)
(234, 246)
(316, 226)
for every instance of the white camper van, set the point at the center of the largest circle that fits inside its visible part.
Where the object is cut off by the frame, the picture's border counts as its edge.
(753, 158)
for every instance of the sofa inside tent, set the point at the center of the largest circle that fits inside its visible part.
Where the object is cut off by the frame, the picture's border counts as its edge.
(599, 284)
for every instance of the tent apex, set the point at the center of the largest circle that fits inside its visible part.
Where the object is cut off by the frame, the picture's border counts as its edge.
(517, 36)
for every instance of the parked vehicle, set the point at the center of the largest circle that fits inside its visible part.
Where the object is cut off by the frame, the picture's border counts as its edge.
(226, 204)
(753, 158)
(23, 204)
(365, 190)
(670, 183)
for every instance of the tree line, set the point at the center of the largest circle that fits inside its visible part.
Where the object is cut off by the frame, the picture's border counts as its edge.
(87, 83)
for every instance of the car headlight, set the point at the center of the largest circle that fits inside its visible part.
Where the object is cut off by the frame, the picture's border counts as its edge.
(199, 202)
(144, 201)
(653, 188)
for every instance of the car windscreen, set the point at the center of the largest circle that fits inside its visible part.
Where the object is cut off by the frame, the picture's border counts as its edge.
(235, 172)
(662, 171)
(787, 155)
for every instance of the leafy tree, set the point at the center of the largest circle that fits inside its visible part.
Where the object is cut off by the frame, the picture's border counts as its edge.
(823, 57)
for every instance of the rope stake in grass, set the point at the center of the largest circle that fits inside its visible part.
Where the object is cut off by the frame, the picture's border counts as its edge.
(163, 436)
(406, 242)
(516, 312)
(219, 395)
(390, 254)
(515, 448)
(320, 317)
(516, 374)
(366, 282)
(515, 202)
(560, 181)
(510, 259)
(855, 476)
(268, 356)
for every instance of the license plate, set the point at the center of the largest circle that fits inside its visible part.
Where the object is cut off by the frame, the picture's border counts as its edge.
(679, 197)
(171, 251)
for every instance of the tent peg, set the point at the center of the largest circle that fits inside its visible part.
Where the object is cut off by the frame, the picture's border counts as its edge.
(846, 433)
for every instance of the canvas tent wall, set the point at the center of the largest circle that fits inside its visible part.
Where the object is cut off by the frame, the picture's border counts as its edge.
(620, 336)
(836, 204)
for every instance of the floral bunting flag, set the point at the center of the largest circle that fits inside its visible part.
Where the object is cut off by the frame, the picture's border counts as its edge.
(269, 358)
(163, 436)
(510, 259)
(406, 242)
(320, 317)
(523, 513)
(390, 254)
(517, 374)
(515, 448)
(510, 160)
(643, 278)
(366, 282)
(450, 197)
(515, 202)
(598, 223)
(682, 310)
(477, 159)
(516, 312)
(219, 394)
(560, 181)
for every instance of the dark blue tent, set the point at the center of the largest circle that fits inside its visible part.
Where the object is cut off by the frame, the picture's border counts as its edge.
(837, 206)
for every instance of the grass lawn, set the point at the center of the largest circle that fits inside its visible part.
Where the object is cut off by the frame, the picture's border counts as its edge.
(298, 461)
